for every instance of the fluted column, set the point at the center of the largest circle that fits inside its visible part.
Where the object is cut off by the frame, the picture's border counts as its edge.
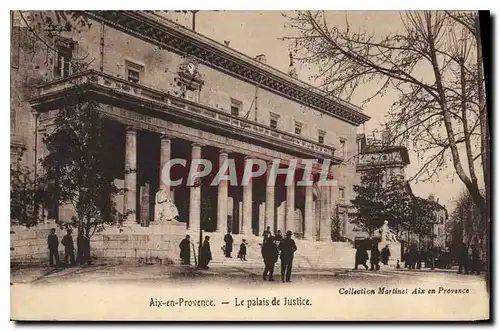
(222, 197)
(195, 194)
(290, 208)
(164, 158)
(246, 226)
(270, 203)
(130, 180)
(309, 213)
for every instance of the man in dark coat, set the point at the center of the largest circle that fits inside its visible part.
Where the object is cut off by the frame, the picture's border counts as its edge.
(83, 245)
(278, 238)
(463, 259)
(206, 253)
(185, 247)
(270, 254)
(266, 234)
(69, 248)
(53, 245)
(374, 257)
(475, 261)
(242, 254)
(361, 257)
(287, 247)
(385, 254)
(228, 239)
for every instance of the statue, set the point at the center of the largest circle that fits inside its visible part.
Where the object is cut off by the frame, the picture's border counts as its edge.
(385, 233)
(165, 210)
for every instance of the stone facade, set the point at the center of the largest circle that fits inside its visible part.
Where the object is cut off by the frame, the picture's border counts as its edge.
(172, 93)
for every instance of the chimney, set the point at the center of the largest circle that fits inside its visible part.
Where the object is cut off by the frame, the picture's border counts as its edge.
(431, 197)
(261, 58)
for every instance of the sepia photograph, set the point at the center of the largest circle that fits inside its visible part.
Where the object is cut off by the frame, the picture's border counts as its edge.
(221, 165)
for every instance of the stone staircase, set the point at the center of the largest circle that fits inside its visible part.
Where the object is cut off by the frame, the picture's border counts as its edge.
(309, 254)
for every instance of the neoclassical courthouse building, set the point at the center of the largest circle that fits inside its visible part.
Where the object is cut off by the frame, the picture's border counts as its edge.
(169, 92)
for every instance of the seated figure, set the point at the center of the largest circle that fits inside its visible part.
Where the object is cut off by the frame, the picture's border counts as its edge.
(165, 209)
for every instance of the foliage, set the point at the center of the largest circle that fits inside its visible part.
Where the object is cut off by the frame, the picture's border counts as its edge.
(399, 204)
(76, 165)
(23, 207)
(434, 66)
(369, 203)
(337, 225)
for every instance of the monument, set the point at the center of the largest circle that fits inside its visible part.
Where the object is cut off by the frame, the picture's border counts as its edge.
(165, 210)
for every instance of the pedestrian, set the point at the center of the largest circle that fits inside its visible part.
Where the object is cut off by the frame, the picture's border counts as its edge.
(385, 254)
(463, 259)
(287, 247)
(206, 253)
(406, 258)
(419, 258)
(53, 245)
(412, 258)
(228, 239)
(266, 234)
(69, 248)
(397, 265)
(374, 257)
(83, 246)
(278, 237)
(475, 261)
(270, 255)
(242, 254)
(185, 250)
(361, 257)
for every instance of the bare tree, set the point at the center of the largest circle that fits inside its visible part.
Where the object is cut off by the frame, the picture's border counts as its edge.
(434, 64)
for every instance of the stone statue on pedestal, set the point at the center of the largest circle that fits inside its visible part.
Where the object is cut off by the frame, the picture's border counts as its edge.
(386, 236)
(165, 209)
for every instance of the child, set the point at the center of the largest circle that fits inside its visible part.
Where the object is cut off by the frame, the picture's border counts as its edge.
(397, 265)
(242, 254)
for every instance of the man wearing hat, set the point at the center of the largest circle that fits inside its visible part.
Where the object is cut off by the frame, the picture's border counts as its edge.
(287, 247)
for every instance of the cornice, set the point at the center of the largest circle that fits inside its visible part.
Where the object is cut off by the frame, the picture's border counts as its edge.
(164, 33)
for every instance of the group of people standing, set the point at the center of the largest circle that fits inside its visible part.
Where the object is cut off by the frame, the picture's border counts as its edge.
(469, 261)
(83, 246)
(274, 247)
(376, 256)
(204, 256)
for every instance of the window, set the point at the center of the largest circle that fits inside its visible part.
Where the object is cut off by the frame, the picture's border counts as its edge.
(341, 193)
(133, 75)
(273, 122)
(321, 136)
(235, 107)
(342, 147)
(298, 127)
(63, 62)
(134, 72)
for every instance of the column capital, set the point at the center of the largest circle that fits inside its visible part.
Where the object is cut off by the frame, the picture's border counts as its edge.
(196, 145)
(164, 136)
(223, 151)
(130, 130)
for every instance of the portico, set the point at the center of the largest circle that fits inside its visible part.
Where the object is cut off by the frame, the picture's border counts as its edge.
(155, 130)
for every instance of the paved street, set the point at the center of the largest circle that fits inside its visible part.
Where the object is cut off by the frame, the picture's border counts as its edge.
(231, 275)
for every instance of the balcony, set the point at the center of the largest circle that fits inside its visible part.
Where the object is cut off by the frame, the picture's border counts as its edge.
(118, 91)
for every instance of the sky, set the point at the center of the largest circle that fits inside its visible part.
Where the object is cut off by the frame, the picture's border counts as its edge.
(259, 32)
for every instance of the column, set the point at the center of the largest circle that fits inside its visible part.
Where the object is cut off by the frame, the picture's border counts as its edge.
(290, 208)
(222, 197)
(130, 182)
(164, 158)
(195, 195)
(309, 227)
(246, 226)
(326, 213)
(270, 207)
(262, 218)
